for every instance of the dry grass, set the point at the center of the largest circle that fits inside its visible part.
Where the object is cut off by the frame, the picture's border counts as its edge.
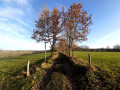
(50, 62)
(45, 65)
(7, 53)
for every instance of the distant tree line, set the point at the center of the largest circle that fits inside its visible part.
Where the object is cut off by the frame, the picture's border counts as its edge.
(116, 48)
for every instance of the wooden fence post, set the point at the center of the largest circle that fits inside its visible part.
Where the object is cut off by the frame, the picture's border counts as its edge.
(28, 71)
(89, 56)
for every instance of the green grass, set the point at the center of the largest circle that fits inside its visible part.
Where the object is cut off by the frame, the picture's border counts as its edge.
(13, 65)
(104, 60)
(28, 82)
(108, 64)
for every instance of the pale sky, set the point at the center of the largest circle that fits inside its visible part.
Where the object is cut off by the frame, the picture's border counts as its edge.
(17, 21)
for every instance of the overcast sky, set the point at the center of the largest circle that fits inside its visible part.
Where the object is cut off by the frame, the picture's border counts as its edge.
(17, 22)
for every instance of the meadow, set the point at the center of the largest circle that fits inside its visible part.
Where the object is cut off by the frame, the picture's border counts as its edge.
(12, 65)
(104, 60)
(106, 75)
(8, 53)
(107, 63)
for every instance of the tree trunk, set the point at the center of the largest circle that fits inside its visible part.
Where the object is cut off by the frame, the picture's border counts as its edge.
(53, 45)
(69, 52)
(52, 51)
(72, 48)
(45, 51)
(72, 51)
(45, 46)
(69, 48)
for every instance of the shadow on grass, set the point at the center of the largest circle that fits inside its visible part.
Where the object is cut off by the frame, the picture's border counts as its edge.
(76, 75)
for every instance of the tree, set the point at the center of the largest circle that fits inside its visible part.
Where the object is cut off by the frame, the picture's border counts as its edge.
(41, 33)
(48, 28)
(55, 28)
(107, 48)
(116, 47)
(62, 46)
(76, 23)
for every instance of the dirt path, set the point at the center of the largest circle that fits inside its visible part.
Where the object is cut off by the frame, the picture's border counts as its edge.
(69, 76)
(45, 79)
(59, 76)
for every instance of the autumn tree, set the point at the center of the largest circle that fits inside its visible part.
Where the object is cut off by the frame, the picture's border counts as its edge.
(76, 24)
(47, 28)
(42, 31)
(74, 21)
(61, 45)
(55, 28)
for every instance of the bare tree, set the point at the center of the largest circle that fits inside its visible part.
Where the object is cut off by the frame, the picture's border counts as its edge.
(116, 47)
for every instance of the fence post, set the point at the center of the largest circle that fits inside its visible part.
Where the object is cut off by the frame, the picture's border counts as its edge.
(89, 59)
(28, 71)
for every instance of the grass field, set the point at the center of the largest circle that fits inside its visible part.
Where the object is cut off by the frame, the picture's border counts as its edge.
(107, 62)
(104, 60)
(8, 53)
(65, 72)
(13, 65)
